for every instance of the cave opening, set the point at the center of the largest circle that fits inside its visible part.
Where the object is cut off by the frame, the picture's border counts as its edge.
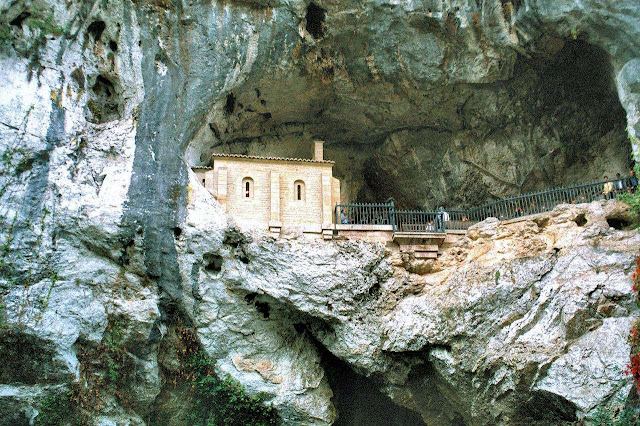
(18, 20)
(213, 262)
(230, 104)
(580, 220)
(96, 28)
(618, 223)
(579, 110)
(103, 104)
(557, 121)
(315, 20)
(357, 399)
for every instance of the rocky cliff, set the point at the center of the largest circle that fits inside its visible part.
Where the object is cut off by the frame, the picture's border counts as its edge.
(106, 243)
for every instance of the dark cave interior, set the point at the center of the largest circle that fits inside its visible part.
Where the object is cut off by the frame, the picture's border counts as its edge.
(358, 400)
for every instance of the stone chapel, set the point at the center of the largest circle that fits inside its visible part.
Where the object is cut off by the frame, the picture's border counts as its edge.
(275, 192)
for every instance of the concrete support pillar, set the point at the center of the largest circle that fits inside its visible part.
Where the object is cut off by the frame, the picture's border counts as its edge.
(222, 187)
(327, 216)
(209, 181)
(335, 195)
(275, 224)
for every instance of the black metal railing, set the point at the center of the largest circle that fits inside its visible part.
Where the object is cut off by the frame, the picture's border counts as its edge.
(386, 214)
(508, 208)
(456, 219)
(364, 213)
(418, 221)
(544, 201)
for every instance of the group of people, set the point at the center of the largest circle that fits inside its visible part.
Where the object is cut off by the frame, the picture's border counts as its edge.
(619, 186)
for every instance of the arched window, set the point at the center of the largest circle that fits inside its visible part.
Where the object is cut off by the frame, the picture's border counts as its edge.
(299, 193)
(247, 187)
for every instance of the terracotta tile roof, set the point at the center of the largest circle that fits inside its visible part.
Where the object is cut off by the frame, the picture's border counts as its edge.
(257, 157)
(202, 167)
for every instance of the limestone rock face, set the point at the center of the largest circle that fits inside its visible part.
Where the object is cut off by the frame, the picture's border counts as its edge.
(108, 246)
(506, 329)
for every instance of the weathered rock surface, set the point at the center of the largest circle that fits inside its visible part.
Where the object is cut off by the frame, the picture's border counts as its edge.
(517, 323)
(105, 241)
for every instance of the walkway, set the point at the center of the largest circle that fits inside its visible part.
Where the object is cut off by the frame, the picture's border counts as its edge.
(415, 222)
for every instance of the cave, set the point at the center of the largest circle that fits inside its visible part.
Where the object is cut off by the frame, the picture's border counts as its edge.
(230, 104)
(315, 20)
(357, 399)
(28, 359)
(580, 220)
(96, 28)
(566, 126)
(555, 121)
(547, 408)
(618, 223)
(212, 262)
(104, 102)
(18, 20)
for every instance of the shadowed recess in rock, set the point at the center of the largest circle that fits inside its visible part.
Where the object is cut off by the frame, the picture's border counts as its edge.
(315, 20)
(358, 400)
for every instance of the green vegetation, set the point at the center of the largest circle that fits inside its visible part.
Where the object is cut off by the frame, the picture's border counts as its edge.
(633, 199)
(628, 416)
(41, 21)
(5, 36)
(113, 355)
(24, 161)
(45, 23)
(632, 139)
(224, 402)
(214, 400)
(54, 410)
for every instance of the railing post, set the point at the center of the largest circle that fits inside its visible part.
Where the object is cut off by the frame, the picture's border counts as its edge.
(392, 216)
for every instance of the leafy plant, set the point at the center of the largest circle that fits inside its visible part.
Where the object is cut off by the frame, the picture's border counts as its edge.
(633, 368)
(602, 417)
(215, 400)
(45, 24)
(632, 139)
(224, 401)
(5, 36)
(633, 200)
(54, 410)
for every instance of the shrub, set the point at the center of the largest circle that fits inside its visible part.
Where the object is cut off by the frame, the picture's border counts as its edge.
(224, 401)
(633, 200)
(53, 411)
(633, 368)
(215, 400)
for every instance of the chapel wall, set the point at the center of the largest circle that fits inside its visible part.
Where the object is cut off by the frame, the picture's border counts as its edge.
(257, 209)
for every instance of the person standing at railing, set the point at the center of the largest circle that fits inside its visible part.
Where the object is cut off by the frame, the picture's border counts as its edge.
(633, 181)
(607, 192)
(442, 217)
(619, 184)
